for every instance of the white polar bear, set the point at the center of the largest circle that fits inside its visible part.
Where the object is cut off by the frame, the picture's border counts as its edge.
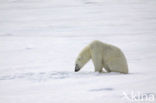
(103, 56)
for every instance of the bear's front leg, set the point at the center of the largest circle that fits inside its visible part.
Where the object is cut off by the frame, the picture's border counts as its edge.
(97, 64)
(101, 71)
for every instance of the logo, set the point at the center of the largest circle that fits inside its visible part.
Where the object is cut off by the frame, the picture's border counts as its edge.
(139, 97)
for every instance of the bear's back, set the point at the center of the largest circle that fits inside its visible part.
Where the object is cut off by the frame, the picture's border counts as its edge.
(97, 43)
(104, 48)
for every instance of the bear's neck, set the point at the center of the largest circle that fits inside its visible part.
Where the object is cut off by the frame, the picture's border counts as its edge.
(86, 53)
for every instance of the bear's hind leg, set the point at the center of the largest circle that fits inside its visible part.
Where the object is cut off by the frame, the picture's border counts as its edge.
(118, 65)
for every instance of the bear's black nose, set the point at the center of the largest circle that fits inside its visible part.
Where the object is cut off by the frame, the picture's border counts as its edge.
(77, 68)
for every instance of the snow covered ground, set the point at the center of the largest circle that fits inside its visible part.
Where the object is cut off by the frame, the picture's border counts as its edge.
(40, 40)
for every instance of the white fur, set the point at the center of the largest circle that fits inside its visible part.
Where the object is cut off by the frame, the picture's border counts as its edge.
(104, 56)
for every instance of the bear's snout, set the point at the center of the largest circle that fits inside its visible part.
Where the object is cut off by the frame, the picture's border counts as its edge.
(77, 68)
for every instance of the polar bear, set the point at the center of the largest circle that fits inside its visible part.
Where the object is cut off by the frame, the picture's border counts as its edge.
(103, 55)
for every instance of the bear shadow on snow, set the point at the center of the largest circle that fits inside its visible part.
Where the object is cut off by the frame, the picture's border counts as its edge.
(101, 89)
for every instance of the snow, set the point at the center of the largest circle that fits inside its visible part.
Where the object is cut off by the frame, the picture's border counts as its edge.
(40, 40)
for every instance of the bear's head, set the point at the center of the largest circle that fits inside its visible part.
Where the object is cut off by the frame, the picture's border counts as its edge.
(82, 59)
(79, 64)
